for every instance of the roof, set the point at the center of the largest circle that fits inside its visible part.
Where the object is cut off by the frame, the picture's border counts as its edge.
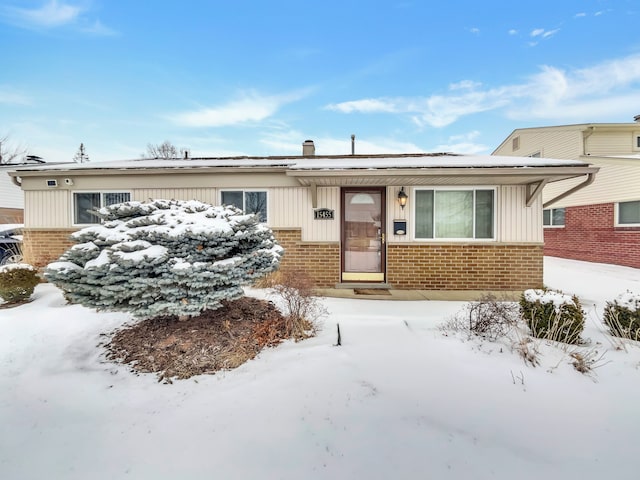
(316, 162)
(381, 169)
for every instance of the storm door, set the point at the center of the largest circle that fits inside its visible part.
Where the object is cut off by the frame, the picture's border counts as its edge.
(363, 234)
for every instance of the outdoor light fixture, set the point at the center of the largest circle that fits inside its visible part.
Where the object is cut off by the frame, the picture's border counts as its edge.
(402, 198)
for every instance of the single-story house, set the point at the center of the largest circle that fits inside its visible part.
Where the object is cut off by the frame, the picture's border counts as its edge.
(599, 222)
(406, 221)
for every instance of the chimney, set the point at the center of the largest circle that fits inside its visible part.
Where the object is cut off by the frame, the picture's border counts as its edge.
(636, 118)
(308, 148)
(353, 144)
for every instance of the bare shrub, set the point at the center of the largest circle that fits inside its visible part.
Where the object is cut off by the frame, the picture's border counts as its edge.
(302, 308)
(585, 361)
(487, 317)
(528, 351)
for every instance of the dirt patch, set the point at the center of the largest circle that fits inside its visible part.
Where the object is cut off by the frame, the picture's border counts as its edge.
(220, 339)
(16, 303)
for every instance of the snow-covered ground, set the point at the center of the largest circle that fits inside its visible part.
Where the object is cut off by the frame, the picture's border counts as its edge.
(400, 399)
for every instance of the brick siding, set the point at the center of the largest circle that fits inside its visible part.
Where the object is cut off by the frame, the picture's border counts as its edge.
(589, 234)
(41, 247)
(409, 267)
(464, 267)
(321, 260)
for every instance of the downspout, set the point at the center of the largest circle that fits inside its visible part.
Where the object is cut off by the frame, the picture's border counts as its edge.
(591, 177)
(585, 135)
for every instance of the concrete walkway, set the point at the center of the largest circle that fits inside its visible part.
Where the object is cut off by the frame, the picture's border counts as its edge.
(394, 294)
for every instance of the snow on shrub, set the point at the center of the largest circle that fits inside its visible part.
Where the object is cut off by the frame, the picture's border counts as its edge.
(622, 316)
(17, 281)
(165, 258)
(552, 315)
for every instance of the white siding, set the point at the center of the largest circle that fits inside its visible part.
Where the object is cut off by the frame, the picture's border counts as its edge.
(10, 195)
(47, 209)
(292, 208)
(515, 221)
(551, 143)
(610, 143)
(614, 183)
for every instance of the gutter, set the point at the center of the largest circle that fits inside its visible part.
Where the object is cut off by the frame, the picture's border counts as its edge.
(590, 179)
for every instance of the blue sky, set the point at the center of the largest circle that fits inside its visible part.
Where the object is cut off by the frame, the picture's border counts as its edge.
(260, 77)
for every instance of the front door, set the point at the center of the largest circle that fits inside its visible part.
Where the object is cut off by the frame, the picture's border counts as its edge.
(363, 234)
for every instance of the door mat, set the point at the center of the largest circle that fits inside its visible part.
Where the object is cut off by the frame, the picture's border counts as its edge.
(371, 291)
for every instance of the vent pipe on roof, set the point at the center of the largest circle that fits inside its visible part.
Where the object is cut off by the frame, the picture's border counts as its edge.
(308, 148)
(353, 144)
(636, 118)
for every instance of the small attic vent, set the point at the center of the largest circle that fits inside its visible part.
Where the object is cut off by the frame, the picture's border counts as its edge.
(515, 143)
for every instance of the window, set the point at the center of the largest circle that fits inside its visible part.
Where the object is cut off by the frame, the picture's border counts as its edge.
(629, 214)
(247, 201)
(515, 143)
(535, 155)
(85, 202)
(553, 217)
(637, 142)
(454, 214)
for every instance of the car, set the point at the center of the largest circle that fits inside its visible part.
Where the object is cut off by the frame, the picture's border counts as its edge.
(10, 243)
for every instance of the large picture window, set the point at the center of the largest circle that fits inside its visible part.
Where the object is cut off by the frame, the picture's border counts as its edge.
(449, 214)
(248, 201)
(553, 217)
(85, 202)
(629, 214)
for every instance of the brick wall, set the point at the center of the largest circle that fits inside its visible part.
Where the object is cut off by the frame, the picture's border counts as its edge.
(41, 247)
(412, 266)
(589, 234)
(321, 260)
(464, 267)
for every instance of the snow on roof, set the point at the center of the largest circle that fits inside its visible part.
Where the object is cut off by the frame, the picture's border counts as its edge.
(329, 162)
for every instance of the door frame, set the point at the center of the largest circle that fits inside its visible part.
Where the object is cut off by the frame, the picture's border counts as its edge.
(383, 233)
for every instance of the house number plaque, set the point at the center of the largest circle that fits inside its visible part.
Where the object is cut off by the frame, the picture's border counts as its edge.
(323, 214)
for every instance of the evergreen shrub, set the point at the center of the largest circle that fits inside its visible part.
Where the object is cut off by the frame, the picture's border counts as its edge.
(622, 316)
(553, 315)
(165, 257)
(17, 281)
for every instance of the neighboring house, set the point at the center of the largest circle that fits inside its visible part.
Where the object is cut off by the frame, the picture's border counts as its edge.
(469, 223)
(600, 222)
(11, 198)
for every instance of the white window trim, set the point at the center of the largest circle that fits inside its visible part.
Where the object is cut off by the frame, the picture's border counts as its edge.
(616, 216)
(554, 226)
(457, 240)
(243, 190)
(101, 192)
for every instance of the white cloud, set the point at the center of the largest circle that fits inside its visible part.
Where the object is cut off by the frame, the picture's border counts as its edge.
(536, 32)
(55, 14)
(97, 28)
(251, 107)
(513, 31)
(581, 14)
(587, 94)
(51, 14)
(366, 105)
(550, 33)
(464, 85)
(462, 144)
(474, 30)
